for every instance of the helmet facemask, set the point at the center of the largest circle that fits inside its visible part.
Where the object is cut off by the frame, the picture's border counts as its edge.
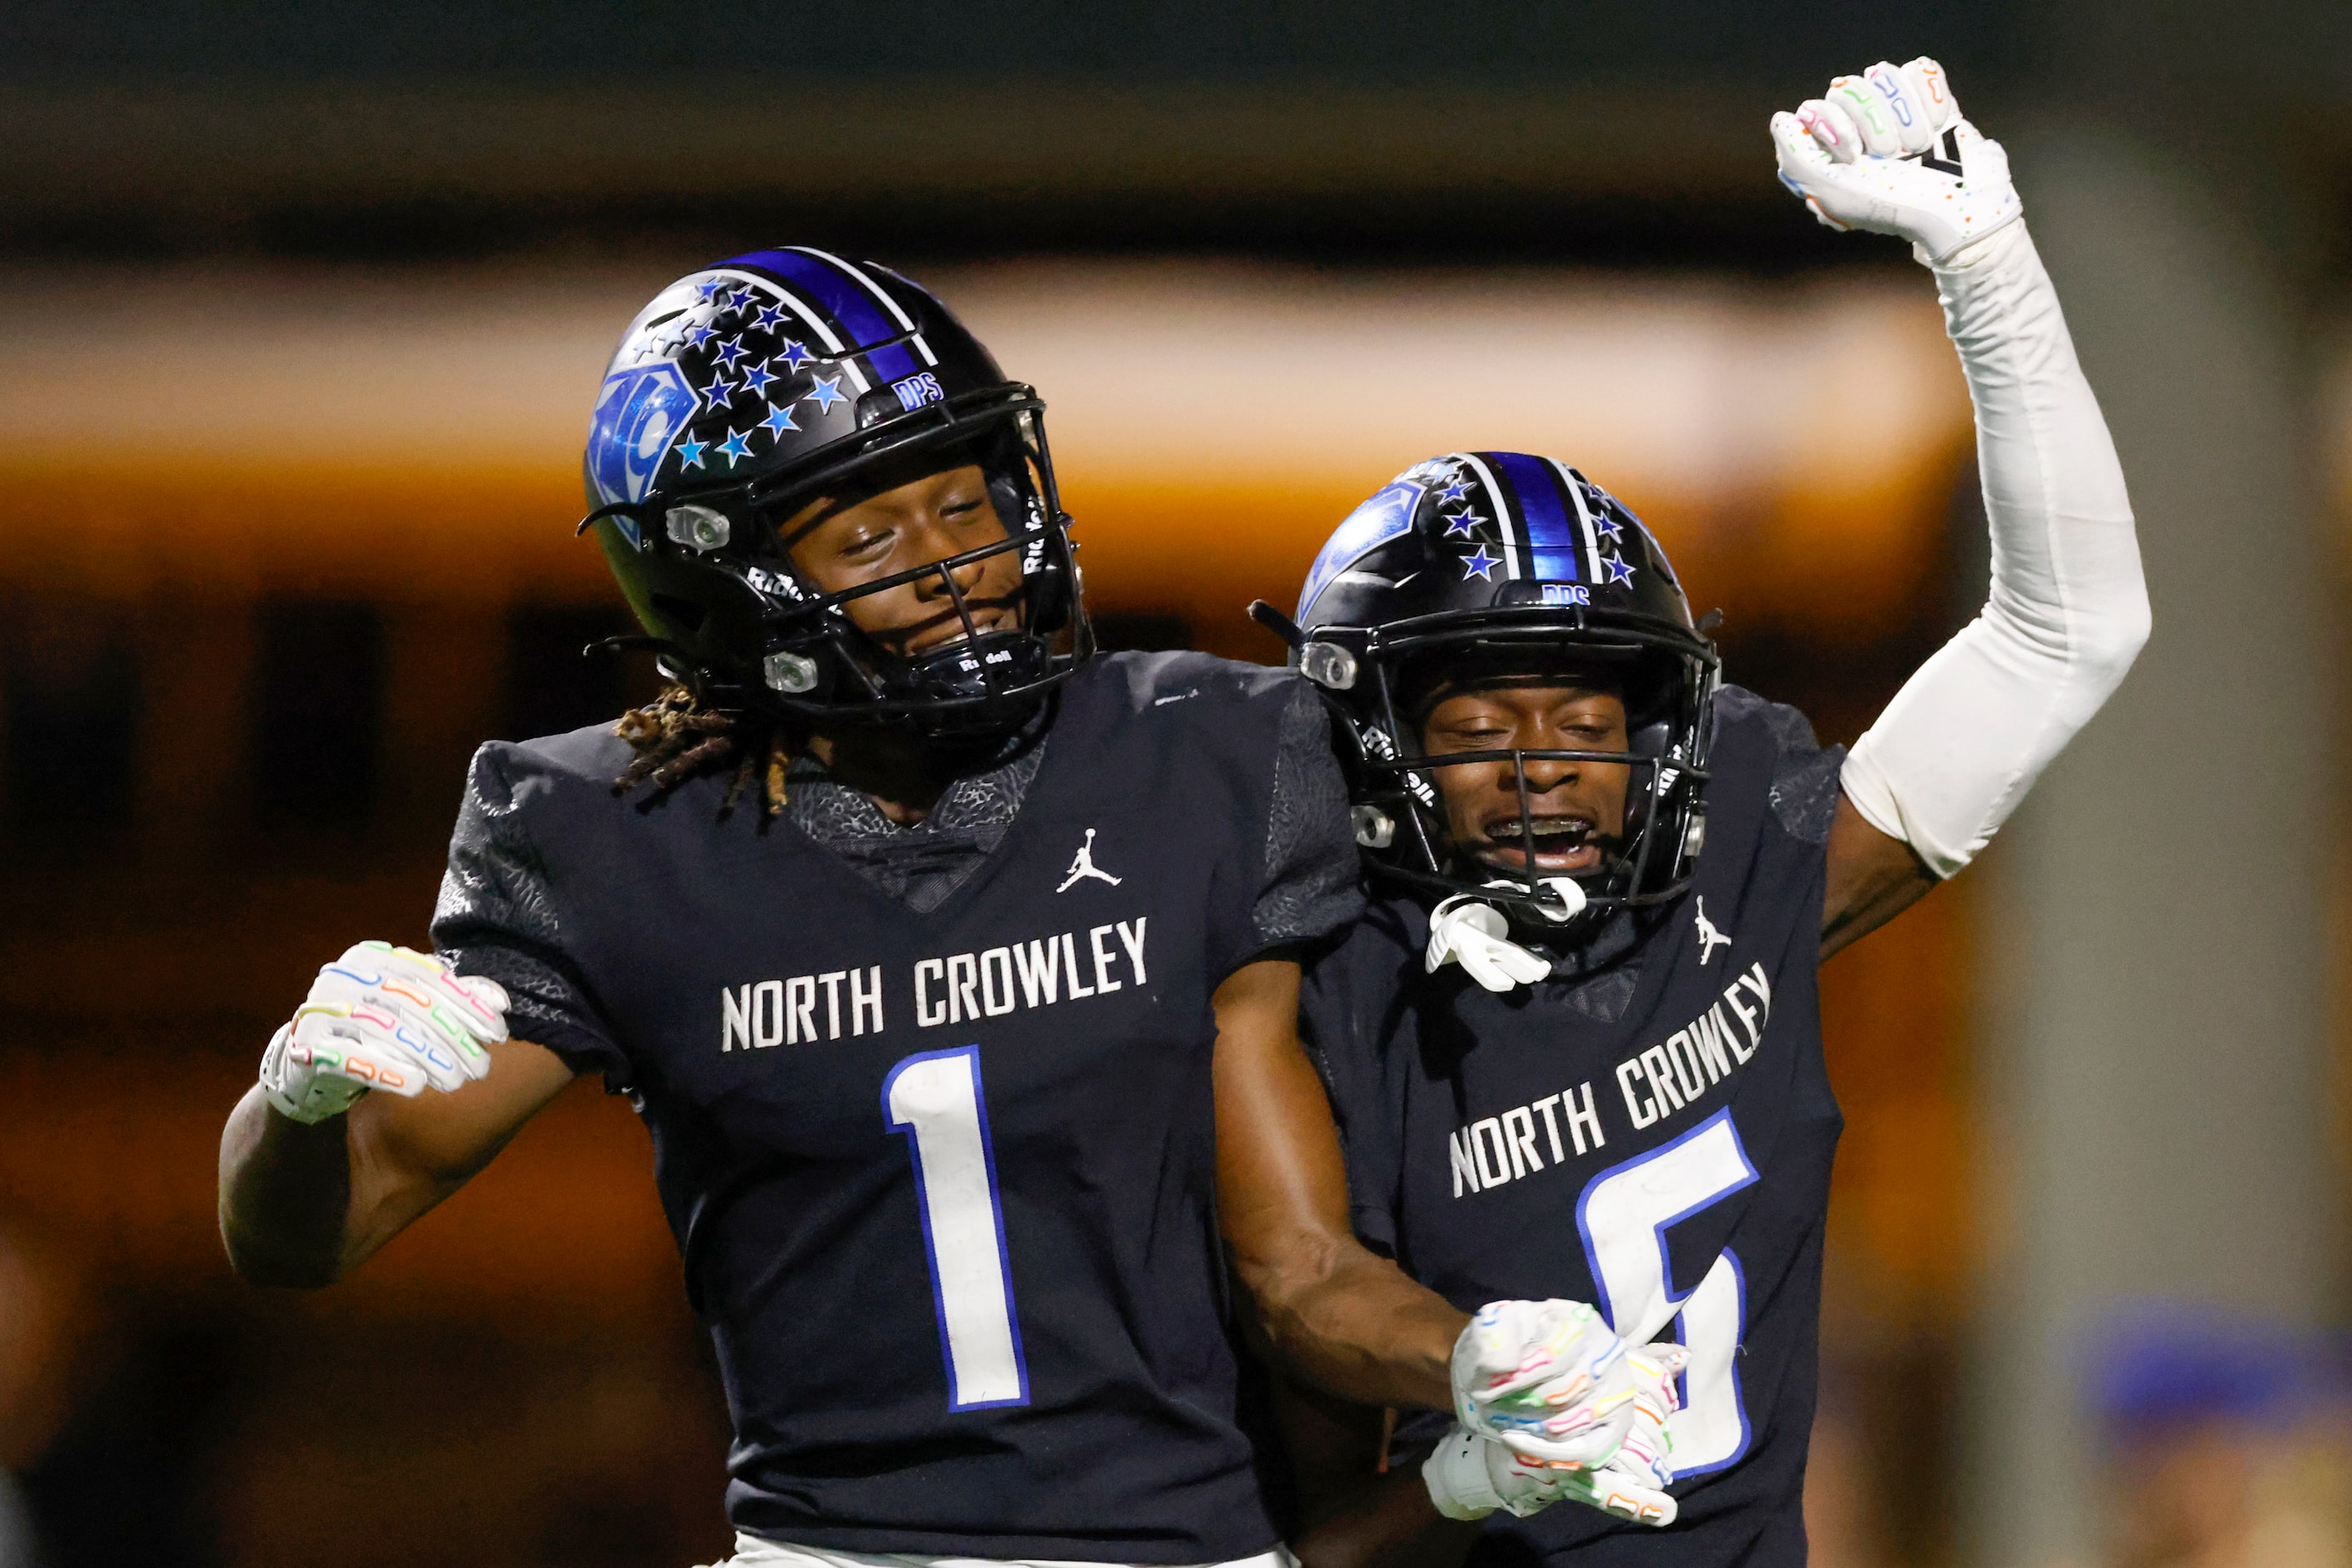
(816, 664)
(1403, 813)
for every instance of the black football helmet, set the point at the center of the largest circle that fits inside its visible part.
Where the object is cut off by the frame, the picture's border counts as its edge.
(1506, 563)
(747, 389)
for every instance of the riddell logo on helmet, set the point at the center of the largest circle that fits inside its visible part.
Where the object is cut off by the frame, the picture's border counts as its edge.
(918, 390)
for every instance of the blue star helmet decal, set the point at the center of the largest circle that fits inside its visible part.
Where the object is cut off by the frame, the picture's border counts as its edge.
(826, 392)
(1480, 564)
(1618, 571)
(778, 420)
(769, 319)
(756, 379)
(639, 414)
(1452, 493)
(1459, 525)
(796, 356)
(689, 453)
(730, 351)
(737, 445)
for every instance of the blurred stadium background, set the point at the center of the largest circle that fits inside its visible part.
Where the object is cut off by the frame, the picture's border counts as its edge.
(301, 314)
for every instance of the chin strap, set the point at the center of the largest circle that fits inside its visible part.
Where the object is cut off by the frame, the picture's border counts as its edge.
(1466, 930)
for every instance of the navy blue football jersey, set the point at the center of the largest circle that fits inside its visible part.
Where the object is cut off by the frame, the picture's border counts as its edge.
(943, 1179)
(1651, 1132)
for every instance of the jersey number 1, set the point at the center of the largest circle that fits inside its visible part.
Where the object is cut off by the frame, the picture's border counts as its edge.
(1623, 1215)
(934, 1098)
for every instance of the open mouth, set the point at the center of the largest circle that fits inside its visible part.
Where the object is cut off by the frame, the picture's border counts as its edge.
(1563, 844)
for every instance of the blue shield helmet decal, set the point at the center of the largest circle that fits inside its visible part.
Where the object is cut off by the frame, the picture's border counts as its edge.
(1387, 515)
(639, 414)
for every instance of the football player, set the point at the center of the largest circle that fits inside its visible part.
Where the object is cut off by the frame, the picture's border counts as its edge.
(948, 966)
(1575, 1049)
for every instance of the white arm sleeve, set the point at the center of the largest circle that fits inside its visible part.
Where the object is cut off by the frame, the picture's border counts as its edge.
(1969, 732)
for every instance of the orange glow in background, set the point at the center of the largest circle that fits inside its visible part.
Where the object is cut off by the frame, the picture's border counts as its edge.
(218, 437)
(419, 439)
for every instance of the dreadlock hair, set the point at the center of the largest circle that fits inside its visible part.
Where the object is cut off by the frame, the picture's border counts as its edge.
(676, 738)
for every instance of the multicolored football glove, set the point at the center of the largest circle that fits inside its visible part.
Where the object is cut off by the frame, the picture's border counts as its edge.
(382, 1017)
(1536, 1376)
(1471, 1475)
(1631, 1483)
(1888, 151)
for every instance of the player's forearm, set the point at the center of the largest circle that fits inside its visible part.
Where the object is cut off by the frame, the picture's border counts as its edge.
(2065, 561)
(285, 1195)
(1353, 1323)
(1394, 1526)
(303, 1205)
(1967, 736)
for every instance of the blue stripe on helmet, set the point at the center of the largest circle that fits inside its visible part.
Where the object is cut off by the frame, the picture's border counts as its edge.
(847, 301)
(1554, 547)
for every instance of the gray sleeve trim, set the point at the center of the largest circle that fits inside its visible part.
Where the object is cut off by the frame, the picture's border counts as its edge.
(1805, 794)
(1312, 875)
(1805, 791)
(495, 918)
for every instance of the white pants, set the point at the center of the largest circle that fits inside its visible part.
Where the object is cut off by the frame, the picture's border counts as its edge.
(752, 1552)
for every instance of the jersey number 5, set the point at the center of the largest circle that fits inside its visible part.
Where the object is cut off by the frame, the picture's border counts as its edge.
(934, 1098)
(1623, 1216)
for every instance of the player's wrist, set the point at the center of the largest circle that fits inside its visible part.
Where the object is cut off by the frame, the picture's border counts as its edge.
(1980, 254)
(1460, 1485)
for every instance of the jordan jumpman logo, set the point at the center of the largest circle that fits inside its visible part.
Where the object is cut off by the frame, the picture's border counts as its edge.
(1084, 867)
(1709, 938)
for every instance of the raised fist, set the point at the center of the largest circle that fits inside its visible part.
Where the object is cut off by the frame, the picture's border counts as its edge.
(1887, 152)
(382, 1017)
